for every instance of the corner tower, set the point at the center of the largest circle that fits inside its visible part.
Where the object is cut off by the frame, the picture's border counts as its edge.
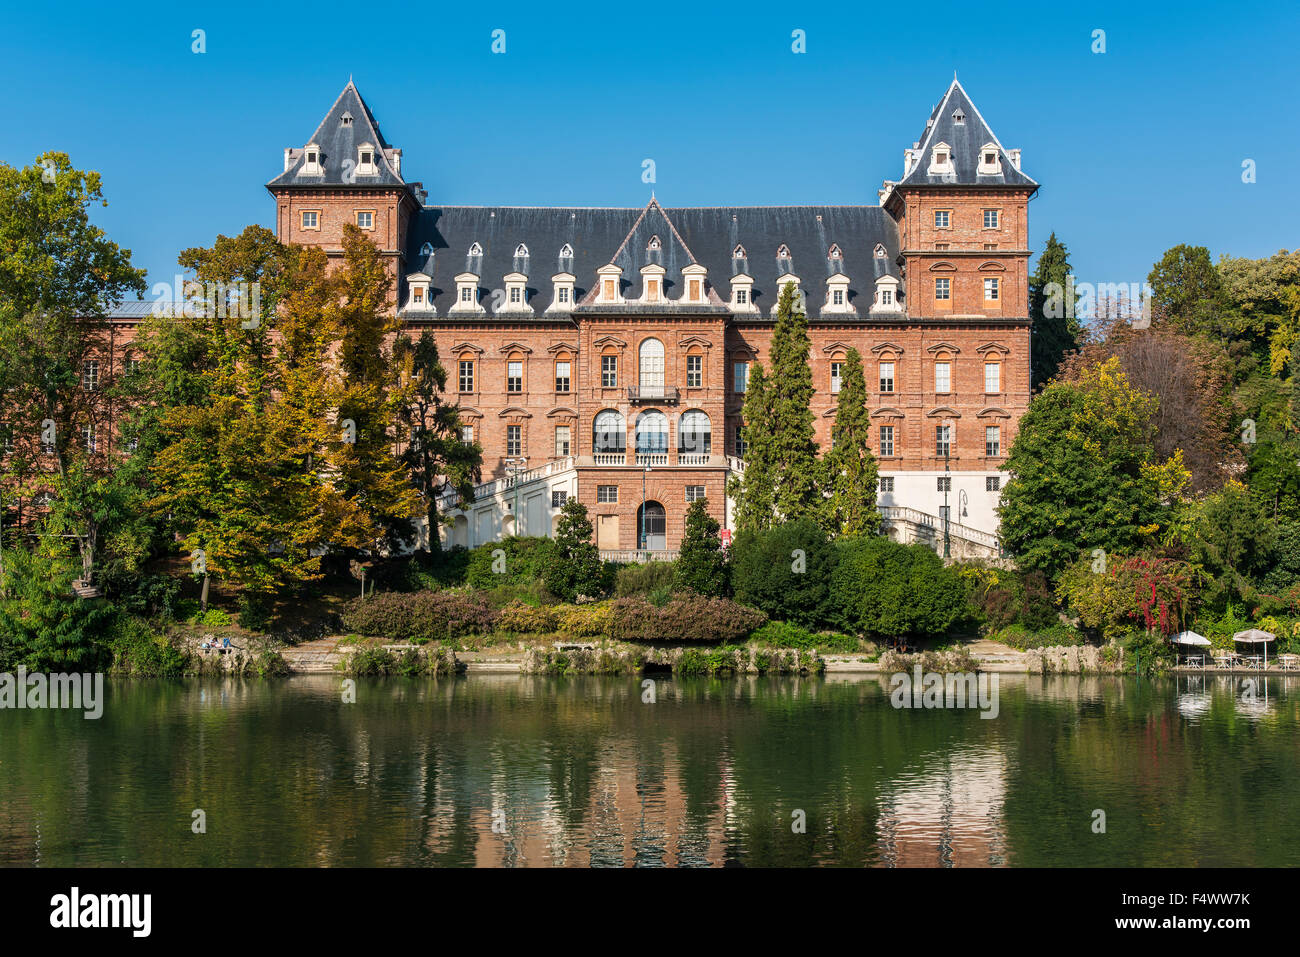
(962, 212)
(346, 172)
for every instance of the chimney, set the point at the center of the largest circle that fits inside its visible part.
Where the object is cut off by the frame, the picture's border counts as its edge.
(288, 153)
(1015, 158)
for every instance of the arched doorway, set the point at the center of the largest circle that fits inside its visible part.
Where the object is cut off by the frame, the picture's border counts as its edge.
(652, 522)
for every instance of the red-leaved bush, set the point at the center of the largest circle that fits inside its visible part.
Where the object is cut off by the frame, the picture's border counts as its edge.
(695, 619)
(420, 616)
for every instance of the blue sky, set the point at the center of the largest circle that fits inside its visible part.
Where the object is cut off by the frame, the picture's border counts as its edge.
(1137, 148)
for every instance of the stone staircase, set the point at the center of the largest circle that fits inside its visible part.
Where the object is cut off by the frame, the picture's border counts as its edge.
(313, 657)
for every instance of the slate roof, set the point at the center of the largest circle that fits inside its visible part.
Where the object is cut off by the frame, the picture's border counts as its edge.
(441, 237)
(965, 138)
(338, 141)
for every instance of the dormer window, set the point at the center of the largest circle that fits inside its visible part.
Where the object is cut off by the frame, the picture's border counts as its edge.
(312, 165)
(345, 119)
(837, 295)
(562, 301)
(516, 293)
(467, 294)
(419, 298)
(654, 244)
(652, 278)
(742, 293)
(886, 295)
(941, 159)
(366, 160)
(521, 251)
(958, 116)
(879, 252)
(835, 255)
(475, 250)
(566, 251)
(610, 279)
(782, 281)
(738, 253)
(783, 251)
(693, 276)
(990, 159)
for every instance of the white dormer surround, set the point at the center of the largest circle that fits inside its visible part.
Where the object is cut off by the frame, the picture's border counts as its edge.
(742, 293)
(395, 158)
(652, 283)
(516, 298)
(562, 300)
(1015, 158)
(609, 284)
(417, 292)
(781, 282)
(311, 164)
(886, 296)
(990, 159)
(467, 296)
(941, 160)
(837, 296)
(693, 277)
(909, 161)
(366, 165)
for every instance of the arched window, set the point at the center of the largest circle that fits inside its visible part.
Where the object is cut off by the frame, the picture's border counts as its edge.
(695, 433)
(652, 368)
(651, 432)
(609, 434)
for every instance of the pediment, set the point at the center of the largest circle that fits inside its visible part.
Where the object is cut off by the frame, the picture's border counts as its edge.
(839, 345)
(886, 412)
(893, 347)
(510, 347)
(571, 347)
(604, 341)
(942, 347)
(562, 412)
(466, 347)
(515, 412)
(993, 347)
(700, 341)
(943, 412)
(993, 412)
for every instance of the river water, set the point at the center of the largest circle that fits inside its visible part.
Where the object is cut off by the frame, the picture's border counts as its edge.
(503, 770)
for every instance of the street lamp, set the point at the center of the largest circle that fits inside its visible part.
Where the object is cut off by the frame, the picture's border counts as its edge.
(947, 482)
(641, 531)
(513, 467)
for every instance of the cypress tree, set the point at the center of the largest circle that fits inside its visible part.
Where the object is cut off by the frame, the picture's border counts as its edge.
(850, 465)
(794, 447)
(754, 492)
(1056, 330)
(701, 567)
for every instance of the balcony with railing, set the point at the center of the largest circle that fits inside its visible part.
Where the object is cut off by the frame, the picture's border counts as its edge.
(610, 458)
(667, 395)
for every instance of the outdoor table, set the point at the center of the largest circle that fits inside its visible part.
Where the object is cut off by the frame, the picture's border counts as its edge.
(1225, 659)
(1254, 661)
(1195, 661)
(1288, 662)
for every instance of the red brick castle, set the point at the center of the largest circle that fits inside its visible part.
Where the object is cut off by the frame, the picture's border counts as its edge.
(603, 353)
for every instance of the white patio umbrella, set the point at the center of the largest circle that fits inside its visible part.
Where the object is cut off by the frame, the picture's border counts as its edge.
(1190, 639)
(1255, 636)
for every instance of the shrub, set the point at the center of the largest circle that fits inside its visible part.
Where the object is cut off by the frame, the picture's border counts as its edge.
(784, 634)
(139, 650)
(421, 616)
(691, 618)
(883, 588)
(1023, 639)
(643, 578)
(767, 572)
(527, 620)
(585, 621)
(511, 561)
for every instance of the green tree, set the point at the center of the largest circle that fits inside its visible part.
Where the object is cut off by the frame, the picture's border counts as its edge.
(370, 396)
(1187, 290)
(790, 390)
(58, 272)
(701, 566)
(850, 466)
(436, 456)
(42, 626)
(753, 492)
(1056, 329)
(1236, 540)
(1083, 474)
(888, 590)
(785, 571)
(575, 567)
